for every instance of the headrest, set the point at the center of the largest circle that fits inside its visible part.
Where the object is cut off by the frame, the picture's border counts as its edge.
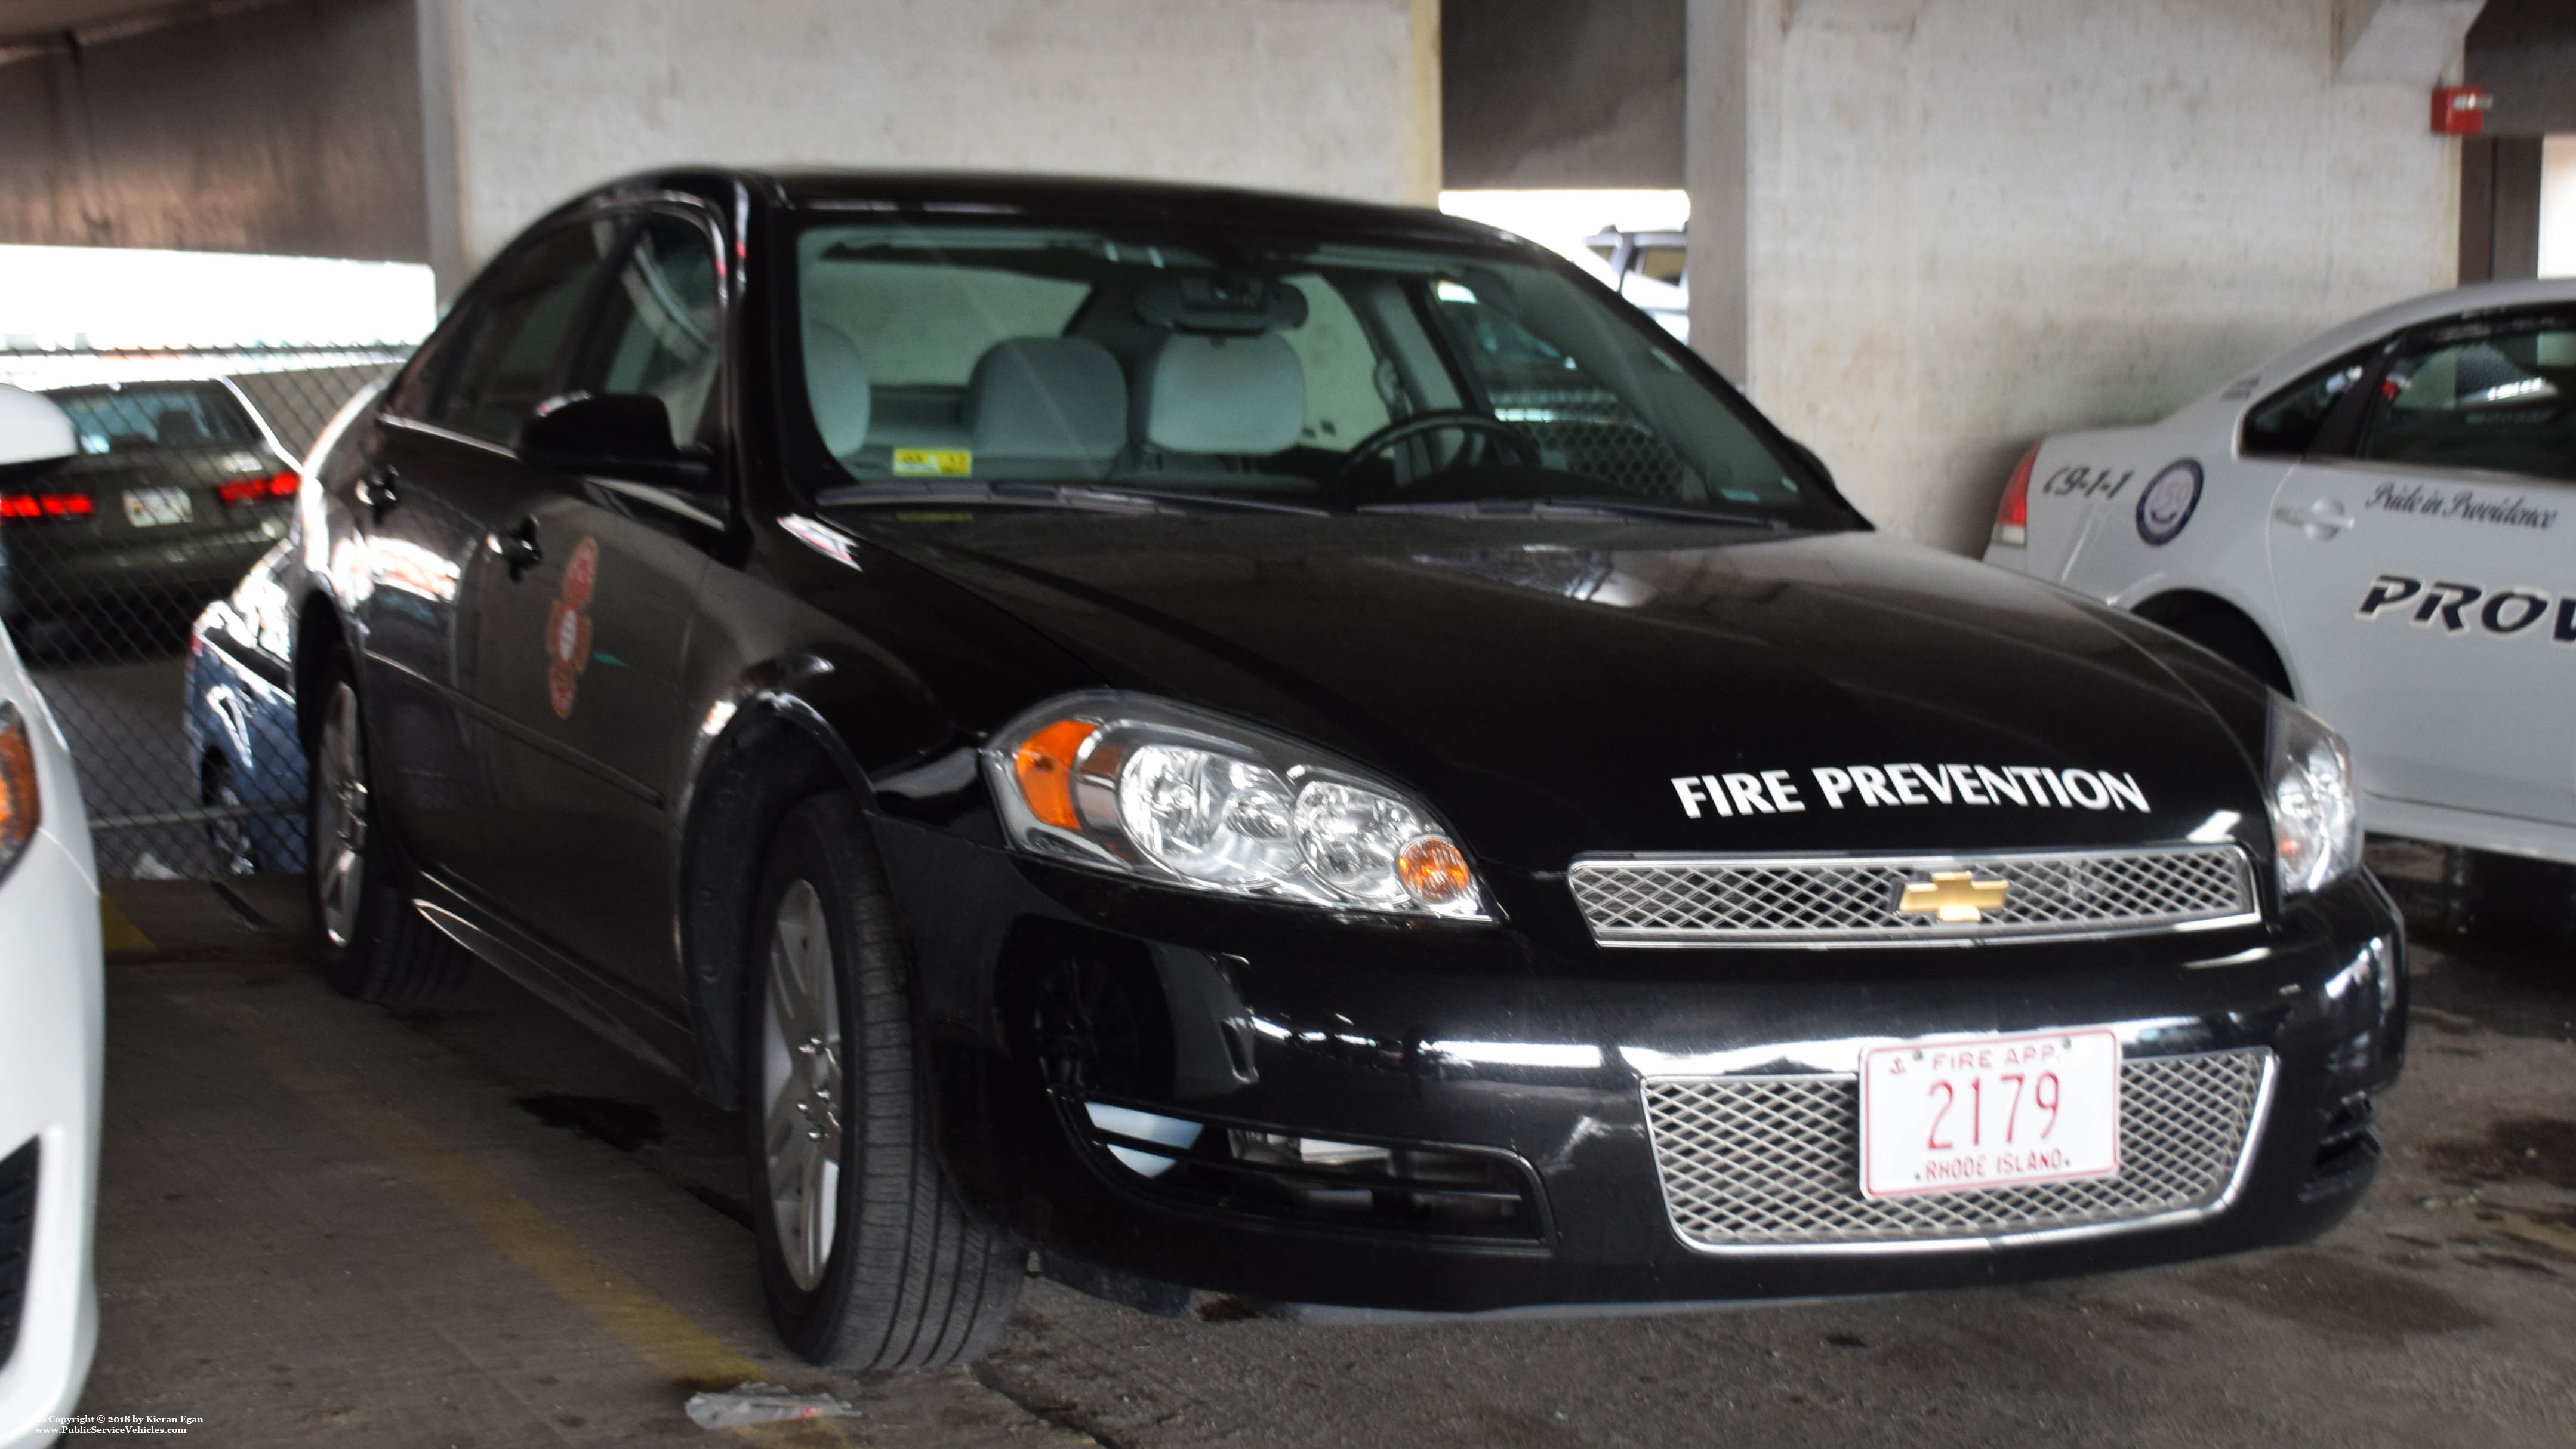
(1047, 397)
(1244, 395)
(836, 386)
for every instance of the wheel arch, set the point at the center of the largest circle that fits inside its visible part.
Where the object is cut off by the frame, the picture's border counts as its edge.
(2178, 608)
(773, 747)
(318, 630)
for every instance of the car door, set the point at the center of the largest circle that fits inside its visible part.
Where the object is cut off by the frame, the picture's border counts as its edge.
(2422, 565)
(583, 594)
(423, 505)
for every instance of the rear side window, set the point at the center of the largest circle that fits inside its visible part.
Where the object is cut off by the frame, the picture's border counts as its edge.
(2285, 424)
(147, 417)
(523, 314)
(2503, 402)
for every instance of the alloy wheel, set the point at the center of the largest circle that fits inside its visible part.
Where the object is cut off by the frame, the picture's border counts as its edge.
(340, 833)
(801, 1071)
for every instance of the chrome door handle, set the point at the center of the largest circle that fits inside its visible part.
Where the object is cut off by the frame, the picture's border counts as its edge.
(518, 549)
(2323, 520)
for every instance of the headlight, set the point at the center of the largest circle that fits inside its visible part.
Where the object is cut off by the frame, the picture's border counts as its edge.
(1170, 793)
(2316, 812)
(21, 811)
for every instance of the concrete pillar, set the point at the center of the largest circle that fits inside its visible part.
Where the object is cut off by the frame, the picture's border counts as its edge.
(528, 101)
(432, 130)
(1948, 227)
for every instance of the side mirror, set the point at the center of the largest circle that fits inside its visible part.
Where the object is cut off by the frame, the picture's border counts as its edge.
(611, 435)
(1808, 456)
(33, 429)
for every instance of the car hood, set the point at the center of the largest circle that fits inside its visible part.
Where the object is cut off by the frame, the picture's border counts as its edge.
(1543, 685)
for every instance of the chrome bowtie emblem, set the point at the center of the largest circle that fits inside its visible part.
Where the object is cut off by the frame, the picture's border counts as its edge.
(1953, 895)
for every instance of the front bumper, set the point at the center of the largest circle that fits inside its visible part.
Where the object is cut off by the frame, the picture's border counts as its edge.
(1526, 1044)
(51, 1040)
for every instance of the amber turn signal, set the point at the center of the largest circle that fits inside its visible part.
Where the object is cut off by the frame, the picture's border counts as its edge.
(1433, 870)
(20, 809)
(1044, 768)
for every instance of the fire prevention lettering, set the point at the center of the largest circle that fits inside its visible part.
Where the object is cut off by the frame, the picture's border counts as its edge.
(1904, 785)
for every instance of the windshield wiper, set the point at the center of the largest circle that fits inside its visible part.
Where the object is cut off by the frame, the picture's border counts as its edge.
(1578, 507)
(902, 493)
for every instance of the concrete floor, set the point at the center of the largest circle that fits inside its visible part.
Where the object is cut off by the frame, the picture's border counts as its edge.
(479, 1227)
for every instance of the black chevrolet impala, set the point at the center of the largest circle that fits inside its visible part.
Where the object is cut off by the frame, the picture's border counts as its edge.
(1299, 750)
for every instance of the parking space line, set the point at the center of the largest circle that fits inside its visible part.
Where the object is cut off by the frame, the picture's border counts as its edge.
(117, 930)
(647, 1324)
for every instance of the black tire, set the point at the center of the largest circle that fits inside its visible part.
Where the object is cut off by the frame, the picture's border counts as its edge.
(367, 939)
(907, 1276)
(2233, 637)
(2511, 900)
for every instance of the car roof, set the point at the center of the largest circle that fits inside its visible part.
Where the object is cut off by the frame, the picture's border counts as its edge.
(1064, 196)
(2433, 307)
(2244, 389)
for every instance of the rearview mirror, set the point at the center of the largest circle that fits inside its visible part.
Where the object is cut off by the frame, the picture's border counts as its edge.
(611, 435)
(33, 429)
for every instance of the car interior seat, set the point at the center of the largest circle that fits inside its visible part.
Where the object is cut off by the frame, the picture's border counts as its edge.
(1046, 407)
(836, 387)
(178, 428)
(1201, 400)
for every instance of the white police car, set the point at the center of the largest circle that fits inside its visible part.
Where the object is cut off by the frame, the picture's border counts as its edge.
(52, 1013)
(2380, 522)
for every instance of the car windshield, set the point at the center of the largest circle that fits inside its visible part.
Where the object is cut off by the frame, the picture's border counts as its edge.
(141, 417)
(1051, 365)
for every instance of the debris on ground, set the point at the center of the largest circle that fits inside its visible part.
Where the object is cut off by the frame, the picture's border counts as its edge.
(762, 1404)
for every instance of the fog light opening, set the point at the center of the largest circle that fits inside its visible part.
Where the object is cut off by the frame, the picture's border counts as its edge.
(1277, 1172)
(1174, 1132)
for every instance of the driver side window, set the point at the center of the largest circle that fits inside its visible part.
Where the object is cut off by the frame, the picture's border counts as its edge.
(524, 314)
(2498, 403)
(656, 334)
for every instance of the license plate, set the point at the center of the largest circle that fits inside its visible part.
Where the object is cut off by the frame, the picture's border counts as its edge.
(153, 507)
(1989, 1111)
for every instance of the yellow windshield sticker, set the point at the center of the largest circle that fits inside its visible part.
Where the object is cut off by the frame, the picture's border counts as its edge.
(942, 462)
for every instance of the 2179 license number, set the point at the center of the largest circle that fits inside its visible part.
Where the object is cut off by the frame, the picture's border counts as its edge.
(1985, 1112)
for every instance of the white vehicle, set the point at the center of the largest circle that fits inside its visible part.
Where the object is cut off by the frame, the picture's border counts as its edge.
(1652, 270)
(2380, 522)
(51, 1016)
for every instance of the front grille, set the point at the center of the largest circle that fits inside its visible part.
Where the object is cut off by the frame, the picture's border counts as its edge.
(1745, 900)
(17, 1241)
(1751, 1162)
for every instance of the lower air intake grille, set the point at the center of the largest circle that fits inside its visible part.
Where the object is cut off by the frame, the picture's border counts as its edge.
(17, 1241)
(1750, 900)
(1775, 1161)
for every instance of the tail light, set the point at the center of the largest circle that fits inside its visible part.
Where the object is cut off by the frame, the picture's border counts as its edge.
(2012, 515)
(47, 507)
(20, 809)
(257, 490)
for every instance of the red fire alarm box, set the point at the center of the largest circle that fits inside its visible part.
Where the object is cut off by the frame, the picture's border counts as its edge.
(2460, 110)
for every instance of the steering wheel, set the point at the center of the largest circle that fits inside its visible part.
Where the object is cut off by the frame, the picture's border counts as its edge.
(1425, 424)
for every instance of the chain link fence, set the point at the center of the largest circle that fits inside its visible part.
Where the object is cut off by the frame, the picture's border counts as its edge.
(128, 579)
